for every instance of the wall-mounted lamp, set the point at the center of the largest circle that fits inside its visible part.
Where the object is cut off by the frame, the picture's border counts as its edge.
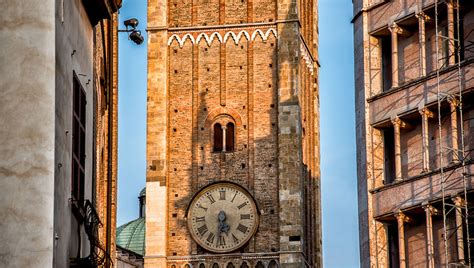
(135, 35)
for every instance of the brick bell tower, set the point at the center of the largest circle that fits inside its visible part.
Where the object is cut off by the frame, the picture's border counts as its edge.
(233, 174)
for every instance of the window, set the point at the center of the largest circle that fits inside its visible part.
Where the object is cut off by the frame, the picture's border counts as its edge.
(389, 155)
(229, 137)
(273, 264)
(78, 140)
(386, 47)
(230, 265)
(215, 265)
(218, 138)
(223, 137)
(259, 265)
(392, 236)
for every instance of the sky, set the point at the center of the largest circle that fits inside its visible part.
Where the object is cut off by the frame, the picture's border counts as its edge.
(338, 151)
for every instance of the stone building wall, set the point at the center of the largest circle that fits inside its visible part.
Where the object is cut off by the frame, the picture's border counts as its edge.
(232, 61)
(27, 163)
(47, 45)
(404, 190)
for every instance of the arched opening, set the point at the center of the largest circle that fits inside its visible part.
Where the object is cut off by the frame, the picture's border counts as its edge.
(202, 265)
(259, 265)
(215, 265)
(229, 138)
(187, 266)
(218, 140)
(273, 264)
(230, 265)
(244, 265)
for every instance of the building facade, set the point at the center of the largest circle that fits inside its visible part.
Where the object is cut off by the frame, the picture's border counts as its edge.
(57, 163)
(415, 126)
(233, 134)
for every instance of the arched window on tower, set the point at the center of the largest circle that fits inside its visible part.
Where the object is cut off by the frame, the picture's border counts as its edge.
(230, 265)
(215, 265)
(259, 265)
(224, 140)
(218, 140)
(229, 138)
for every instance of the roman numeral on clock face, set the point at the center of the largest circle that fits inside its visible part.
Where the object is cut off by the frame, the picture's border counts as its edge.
(211, 198)
(202, 230)
(221, 194)
(242, 205)
(199, 219)
(235, 239)
(221, 241)
(245, 216)
(242, 228)
(210, 238)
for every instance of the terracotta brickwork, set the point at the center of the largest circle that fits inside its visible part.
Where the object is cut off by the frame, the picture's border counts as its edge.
(104, 66)
(232, 62)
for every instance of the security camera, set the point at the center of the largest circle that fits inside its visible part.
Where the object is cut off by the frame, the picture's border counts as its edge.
(131, 23)
(136, 36)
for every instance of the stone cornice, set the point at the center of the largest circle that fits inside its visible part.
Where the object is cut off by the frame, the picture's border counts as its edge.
(221, 26)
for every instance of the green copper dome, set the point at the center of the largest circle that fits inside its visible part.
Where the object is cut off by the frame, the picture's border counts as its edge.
(131, 236)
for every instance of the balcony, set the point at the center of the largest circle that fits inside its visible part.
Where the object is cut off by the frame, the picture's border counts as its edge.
(414, 191)
(421, 92)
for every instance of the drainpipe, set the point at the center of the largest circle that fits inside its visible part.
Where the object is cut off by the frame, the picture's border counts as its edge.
(110, 141)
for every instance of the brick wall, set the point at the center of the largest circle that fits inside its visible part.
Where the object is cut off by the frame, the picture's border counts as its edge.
(250, 78)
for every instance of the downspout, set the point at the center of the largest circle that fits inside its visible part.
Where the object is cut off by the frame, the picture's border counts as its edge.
(110, 141)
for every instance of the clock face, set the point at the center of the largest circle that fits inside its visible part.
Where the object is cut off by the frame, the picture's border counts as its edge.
(222, 217)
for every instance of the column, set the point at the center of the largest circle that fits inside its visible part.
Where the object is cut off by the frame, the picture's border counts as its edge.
(422, 19)
(395, 30)
(397, 125)
(451, 42)
(459, 203)
(224, 138)
(454, 103)
(430, 211)
(401, 219)
(425, 115)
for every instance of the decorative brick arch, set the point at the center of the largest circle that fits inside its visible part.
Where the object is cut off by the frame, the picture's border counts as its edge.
(214, 114)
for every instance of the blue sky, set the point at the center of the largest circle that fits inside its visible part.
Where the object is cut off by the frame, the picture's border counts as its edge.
(338, 152)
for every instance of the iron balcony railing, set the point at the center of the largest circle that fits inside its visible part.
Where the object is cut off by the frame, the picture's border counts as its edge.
(87, 216)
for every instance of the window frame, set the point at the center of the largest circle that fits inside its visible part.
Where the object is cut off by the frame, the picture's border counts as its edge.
(78, 139)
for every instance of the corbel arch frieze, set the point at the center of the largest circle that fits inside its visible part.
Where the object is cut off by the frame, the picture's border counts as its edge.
(221, 36)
